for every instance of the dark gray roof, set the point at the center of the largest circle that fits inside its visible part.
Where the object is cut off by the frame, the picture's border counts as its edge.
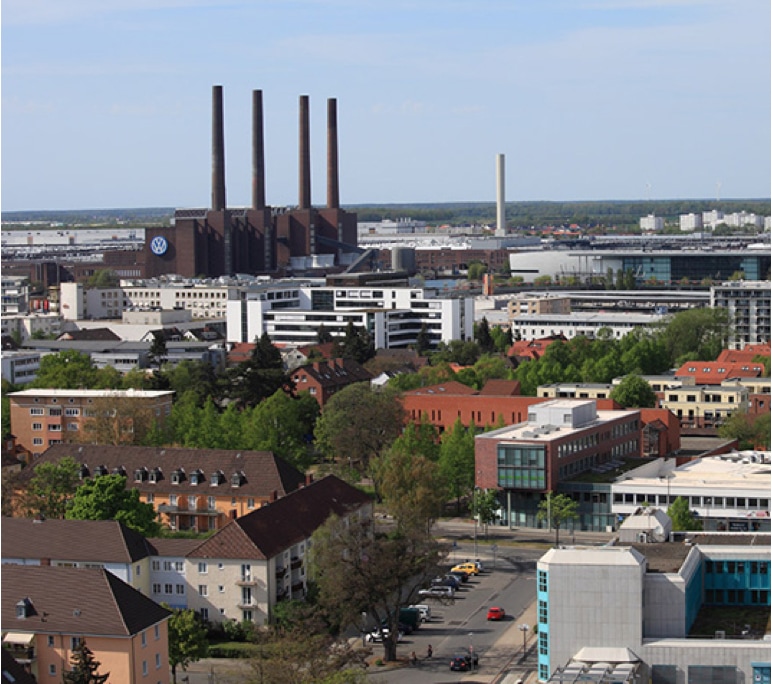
(272, 529)
(75, 601)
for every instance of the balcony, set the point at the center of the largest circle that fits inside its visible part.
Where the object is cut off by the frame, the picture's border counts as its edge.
(247, 581)
(296, 563)
(169, 509)
(281, 571)
(247, 605)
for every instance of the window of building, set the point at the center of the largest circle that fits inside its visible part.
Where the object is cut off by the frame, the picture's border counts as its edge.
(179, 566)
(542, 580)
(37, 441)
(250, 503)
(167, 588)
(52, 670)
(36, 412)
(74, 643)
(50, 640)
(143, 639)
(144, 668)
(202, 569)
(157, 661)
(203, 590)
(156, 588)
(180, 589)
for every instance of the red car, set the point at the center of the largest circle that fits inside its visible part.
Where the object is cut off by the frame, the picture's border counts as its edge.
(496, 613)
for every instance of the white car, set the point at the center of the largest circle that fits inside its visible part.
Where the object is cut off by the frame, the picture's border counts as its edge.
(424, 610)
(378, 635)
(438, 592)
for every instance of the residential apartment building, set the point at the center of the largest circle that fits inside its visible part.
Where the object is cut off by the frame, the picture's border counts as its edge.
(560, 439)
(652, 223)
(192, 489)
(748, 304)
(48, 611)
(636, 623)
(575, 390)
(106, 544)
(41, 418)
(323, 379)
(530, 303)
(25, 326)
(257, 560)
(393, 316)
(705, 406)
(729, 492)
(14, 295)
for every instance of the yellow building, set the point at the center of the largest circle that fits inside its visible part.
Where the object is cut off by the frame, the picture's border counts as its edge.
(705, 406)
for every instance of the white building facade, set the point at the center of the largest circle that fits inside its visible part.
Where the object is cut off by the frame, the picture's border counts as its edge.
(748, 304)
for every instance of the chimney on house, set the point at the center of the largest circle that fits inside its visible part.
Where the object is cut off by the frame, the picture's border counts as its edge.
(309, 479)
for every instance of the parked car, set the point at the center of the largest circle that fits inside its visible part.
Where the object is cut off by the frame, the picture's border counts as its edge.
(424, 610)
(447, 581)
(403, 627)
(462, 576)
(478, 563)
(378, 635)
(438, 592)
(496, 613)
(464, 662)
(469, 568)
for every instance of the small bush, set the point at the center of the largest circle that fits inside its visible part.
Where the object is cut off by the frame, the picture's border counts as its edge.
(233, 650)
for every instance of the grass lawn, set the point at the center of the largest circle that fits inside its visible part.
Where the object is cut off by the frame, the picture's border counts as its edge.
(732, 620)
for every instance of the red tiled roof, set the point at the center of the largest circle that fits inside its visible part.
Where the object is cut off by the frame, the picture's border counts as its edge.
(501, 388)
(745, 355)
(272, 529)
(533, 349)
(714, 372)
(104, 541)
(76, 601)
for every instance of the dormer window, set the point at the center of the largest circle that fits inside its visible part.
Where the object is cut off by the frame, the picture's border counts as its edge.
(24, 609)
(83, 473)
(197, 477)
(178, 476)
(120, 470)
(216, 478)
(155, 475)
(100, 470)
(140, 474)
(237, 479)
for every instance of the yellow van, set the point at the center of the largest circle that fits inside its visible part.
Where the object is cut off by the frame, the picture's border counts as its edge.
(468, 568)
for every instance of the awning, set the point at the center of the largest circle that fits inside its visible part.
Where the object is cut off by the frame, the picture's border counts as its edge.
(21, 638)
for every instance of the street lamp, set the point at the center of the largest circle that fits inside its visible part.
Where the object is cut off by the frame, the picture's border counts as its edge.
(474, 511)
(471, 651)
(524, 629)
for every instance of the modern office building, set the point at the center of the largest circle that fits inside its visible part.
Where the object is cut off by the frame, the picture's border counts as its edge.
(589, 325)
(393, 316)
(748, 303)
(560, 439)
(634, 608)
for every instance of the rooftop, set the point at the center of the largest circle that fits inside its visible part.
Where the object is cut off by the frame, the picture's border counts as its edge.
(85, 393)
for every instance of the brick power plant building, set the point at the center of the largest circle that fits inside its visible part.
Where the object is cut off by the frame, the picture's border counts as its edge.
(258, 239)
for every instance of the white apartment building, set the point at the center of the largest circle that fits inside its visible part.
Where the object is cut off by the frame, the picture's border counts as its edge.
(536, 326)
(652, 223)
(748, 303)
(20, 367)
(14, 294)
(27, 325)
(690, 222)
(394, 316)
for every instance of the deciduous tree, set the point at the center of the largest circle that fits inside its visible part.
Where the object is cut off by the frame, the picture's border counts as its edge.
(682, 518)
(51, 488)
(66, 370)
(106, 498)
(634, 392)
(457, 461)
(187, 639)
(557, 509)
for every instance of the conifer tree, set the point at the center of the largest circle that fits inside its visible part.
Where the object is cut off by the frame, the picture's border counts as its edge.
(84, 667)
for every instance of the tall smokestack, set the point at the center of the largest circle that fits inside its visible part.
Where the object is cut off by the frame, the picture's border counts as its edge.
(304, 194)
(333, 198)
(218, 151)
(501, 222)
(258, 151)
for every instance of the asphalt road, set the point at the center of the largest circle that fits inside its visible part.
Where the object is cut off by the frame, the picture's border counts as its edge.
(459, 626)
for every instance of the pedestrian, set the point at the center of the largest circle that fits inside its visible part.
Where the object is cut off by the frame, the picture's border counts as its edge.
(429, 652)
(413, 659)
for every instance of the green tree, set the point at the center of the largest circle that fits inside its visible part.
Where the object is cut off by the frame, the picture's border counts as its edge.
(422, 340)
(157, 354)
(323, 336)
(83, 667)
(557, 509)
(187, 639)
(104, 278)
(683, 519)
(749, 431)
(695, 335)
(66, 370)
(482, 336)
(358, 423)
(634, 392)
(464, 353)
(485, 507)
(356, 344)
(51, 488)
(106, 498)
(476, 270)
(457, 461)
(259, 377)
(197, 377)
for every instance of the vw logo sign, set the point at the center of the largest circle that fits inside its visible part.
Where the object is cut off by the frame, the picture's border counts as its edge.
(159, 245)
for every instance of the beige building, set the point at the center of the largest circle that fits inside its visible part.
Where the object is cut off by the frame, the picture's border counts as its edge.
(527, 304)
(257, 560)
(575, 390)
(705, 405)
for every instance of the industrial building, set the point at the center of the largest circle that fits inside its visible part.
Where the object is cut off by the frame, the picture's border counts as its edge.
(260, 238)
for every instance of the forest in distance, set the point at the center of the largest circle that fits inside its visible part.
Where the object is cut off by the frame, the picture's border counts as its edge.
(616, 213)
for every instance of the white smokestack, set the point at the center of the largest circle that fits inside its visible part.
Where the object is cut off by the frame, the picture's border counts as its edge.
(501, 222)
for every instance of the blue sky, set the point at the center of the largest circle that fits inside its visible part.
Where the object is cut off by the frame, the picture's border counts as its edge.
(107, 103)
